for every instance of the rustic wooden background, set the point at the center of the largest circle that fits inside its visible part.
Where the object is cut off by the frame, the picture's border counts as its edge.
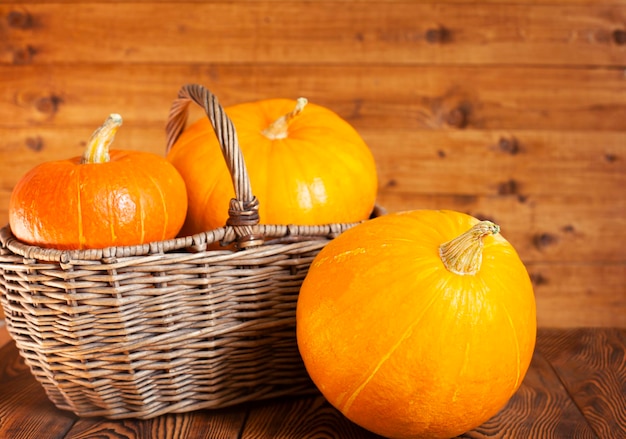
(512, 111)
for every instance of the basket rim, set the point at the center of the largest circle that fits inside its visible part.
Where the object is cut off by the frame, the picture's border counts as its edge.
(268, 233)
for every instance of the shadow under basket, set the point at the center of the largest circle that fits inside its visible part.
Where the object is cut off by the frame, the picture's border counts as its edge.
(171, 326)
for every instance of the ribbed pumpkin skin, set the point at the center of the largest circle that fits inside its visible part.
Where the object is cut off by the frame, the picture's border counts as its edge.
(322, 172)
(135, 198)
(402, 346)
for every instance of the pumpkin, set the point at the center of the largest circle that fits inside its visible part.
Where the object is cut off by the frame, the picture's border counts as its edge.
(104, 198)
(305, 163)
(417, 324)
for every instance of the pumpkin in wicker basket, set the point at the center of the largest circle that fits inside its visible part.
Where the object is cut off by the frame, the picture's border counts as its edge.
(306, 164)
(104, 198)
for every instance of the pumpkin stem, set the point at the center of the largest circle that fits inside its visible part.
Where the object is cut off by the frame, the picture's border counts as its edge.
(97, 150)
(464, 254)
(278, 128)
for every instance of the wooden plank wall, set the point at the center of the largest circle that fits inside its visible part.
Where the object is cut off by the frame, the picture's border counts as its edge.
(513, 111)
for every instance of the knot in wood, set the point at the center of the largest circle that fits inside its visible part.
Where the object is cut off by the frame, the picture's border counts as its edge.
(48, 104)
(509, 187)
(457, 118)
(509, 145)
(543, 240)
(437, 35)
(23, 55)
(19, 20)
(619, 36)
(34, 143)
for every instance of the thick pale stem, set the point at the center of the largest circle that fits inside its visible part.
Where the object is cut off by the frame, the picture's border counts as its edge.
(464, 254)
(279, 128)
(97, 150)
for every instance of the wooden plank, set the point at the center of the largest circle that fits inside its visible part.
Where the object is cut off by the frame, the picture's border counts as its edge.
(469, 162)
(445, 2)
(314, 33)
(465, 162)
(218, 424)
(390, 2)
(379, 96)
(521, 163)
(298, 418)
(591, 364)
(540, 408)
(25, 410)
(570, 295)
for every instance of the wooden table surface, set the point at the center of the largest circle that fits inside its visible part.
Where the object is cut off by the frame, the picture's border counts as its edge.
(575, 388)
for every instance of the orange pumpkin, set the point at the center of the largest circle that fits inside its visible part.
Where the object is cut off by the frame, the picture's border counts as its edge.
(418, 324)
(98, 200)
(306, 166)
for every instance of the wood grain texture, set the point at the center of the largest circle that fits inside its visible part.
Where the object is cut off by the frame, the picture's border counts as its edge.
(314, 33)
(430, 97)
(22, 398)
(580, 164)
(500, 162)
(542, 408)
(223, 424)
(597, 290)
(592, 367)
(574, 389)
(389, 2)
(313, 417)
(486, 163)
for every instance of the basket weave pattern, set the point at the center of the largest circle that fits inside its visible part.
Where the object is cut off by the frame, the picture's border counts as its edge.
(170, 326)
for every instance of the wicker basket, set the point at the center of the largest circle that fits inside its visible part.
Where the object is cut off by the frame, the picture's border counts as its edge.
(170, 326)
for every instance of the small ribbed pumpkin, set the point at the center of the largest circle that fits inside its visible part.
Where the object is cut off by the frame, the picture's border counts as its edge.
(306, 166)
(104, 198)
(418, 324)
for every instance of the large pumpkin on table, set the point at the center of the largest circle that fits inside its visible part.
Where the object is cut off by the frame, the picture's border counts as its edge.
(419, 324)
(104, 198)
(306, 166)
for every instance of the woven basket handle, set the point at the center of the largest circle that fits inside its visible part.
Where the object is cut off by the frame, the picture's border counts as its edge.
(243, 213)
